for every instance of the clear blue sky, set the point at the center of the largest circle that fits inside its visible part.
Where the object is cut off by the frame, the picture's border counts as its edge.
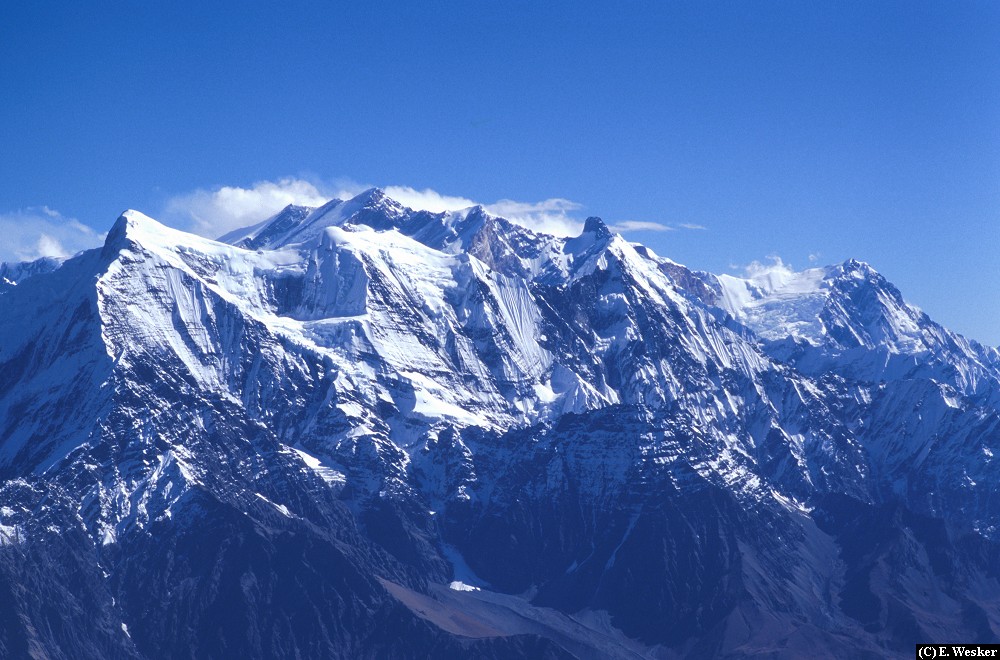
(833, 129)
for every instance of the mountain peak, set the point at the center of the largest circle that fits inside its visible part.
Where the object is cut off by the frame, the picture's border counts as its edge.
(595, 225)
(853, 264)
(134, 229)
(128, 225)
(131, 218)
(857, 267)
(281, 223)
(370, 197)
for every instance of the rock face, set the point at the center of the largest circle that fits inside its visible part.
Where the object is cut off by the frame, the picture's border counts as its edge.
(286, 443)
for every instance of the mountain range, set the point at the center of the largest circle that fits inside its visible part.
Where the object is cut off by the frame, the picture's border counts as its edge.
(367, 431)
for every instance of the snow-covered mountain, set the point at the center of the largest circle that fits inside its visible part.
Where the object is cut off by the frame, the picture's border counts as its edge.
(362, 430)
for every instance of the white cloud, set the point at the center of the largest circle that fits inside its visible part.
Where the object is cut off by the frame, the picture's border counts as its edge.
(769, 276)
(43, 232)
(776, 265)
(427, 199)
(50, 247)
(645, 225)
(215, 212)
(639, 225)
(549, 216)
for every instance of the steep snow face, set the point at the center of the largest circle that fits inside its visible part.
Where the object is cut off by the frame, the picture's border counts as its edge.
(461, 339)
(49, 327)
(778, 303)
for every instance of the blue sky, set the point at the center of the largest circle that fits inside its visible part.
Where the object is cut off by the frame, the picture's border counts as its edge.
(807, 131)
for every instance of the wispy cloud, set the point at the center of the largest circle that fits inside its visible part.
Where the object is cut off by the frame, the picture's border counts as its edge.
(38, 232)
(623, 226)
(639, 225)
(217, 211)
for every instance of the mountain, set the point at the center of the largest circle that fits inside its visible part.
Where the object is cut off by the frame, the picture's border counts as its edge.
(363, 430)
(12, 273)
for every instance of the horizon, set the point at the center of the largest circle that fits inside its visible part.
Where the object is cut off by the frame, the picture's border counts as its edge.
(719, 136)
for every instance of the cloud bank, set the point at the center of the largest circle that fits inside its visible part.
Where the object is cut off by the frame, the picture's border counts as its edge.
(215, 212)
(38, 232)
